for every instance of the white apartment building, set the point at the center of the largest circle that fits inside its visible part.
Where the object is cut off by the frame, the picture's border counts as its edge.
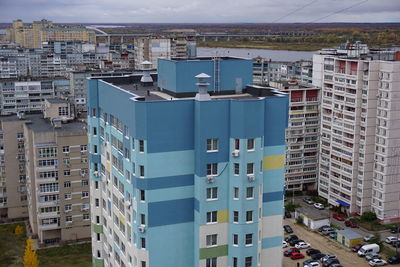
(360, 129)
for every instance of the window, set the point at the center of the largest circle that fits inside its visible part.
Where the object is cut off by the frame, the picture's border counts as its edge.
(236, 168)
(94, 130)
(67, 184)
(211, 240)
(237, 144)
(249, 239)
(67, 196)
(235, 239)
(212, 169)
(212, 193)
(250, 192)
(86, 217)
(142, 195)
(236, 193)
(250, 144)
(62, 111)
(235, 262)
(212, 145)
(68, 207)
(85, 194)
(66, 161)
(83, 148)
(84, 160)
(249, 216)
(248, 261)
(68, 219)
(211, 262)
(141, 171)
(250, 168)
(141, 145)
(235, 216)
(143, 242)
(67, 172)
(97, 202)
(212, 217)
(65, 149)
(47, 152)
(84, 182)
(142, 219)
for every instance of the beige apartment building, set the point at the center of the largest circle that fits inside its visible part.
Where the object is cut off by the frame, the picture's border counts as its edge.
(13, 193)
(360, 129)
(32, 36)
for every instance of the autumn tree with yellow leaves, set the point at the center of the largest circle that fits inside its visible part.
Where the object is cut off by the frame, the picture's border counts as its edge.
(19, 230)
(30, 257)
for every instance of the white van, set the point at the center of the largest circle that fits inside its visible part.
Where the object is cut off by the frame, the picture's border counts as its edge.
(370, 248)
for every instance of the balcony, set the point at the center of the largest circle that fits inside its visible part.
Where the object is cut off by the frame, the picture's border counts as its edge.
(49, 215)
(52, 226)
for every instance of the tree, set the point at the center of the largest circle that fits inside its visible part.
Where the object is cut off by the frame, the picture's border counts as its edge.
(19, 230)
(30, 257)
(368, 216)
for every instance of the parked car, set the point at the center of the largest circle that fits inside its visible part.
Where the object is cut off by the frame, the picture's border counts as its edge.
(322, 228)
(328, 231)
(308, 200)
(290, 237)
(395, 229)
(294, 242)
(288, 214)
(328, 257)
(284, 244)
(302, 245)
(330, 262)
(338, 216)
(368, 237)
(396, 244)
(394, 260)
(306, 262)
(371, 256)
(391, 239)
(370, 248)
(296, 256)
(332, 235)
(351, 224)
(377, 262)
(317, 256)
(336, 265)
(313, 264)
(288, 229)
(319, 206)
(356, 247)
(290, 251)
(312, 251)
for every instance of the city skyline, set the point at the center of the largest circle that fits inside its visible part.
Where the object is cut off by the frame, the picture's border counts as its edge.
(177, 11)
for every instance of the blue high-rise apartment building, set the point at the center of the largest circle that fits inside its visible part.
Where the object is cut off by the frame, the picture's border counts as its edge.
(187, 171)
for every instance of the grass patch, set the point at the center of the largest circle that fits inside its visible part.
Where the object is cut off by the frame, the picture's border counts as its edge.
(387, 251)
(336, 226)
(79, 255)
(11, 246)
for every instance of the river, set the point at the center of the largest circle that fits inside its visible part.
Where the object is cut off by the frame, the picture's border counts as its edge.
(275, 55)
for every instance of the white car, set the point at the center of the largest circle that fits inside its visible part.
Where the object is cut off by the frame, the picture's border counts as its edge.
(377, 262)
(319, 206)
(391, 239)
(301, 245)
(313, 264)
(284, 244)
(368, 237)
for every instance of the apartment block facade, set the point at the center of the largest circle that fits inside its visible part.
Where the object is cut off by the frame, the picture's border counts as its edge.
(200, 174)
(358, 167)
(302, 135)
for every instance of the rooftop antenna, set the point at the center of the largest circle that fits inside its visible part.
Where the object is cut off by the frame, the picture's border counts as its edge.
(146, 79)
(202, 85)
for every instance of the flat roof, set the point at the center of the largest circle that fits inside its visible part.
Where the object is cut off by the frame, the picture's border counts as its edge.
(349, 234)
(151, 92)
(313, 213)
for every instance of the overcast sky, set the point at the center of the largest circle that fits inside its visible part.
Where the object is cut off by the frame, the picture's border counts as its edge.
(175, 11)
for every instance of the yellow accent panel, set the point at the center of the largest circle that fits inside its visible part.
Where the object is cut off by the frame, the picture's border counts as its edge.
(274, 162)
(108, 167)
(222, 216)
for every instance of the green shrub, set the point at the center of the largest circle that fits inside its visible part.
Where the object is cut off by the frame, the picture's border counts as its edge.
(291, 207)
(299, 220)
(368, 216)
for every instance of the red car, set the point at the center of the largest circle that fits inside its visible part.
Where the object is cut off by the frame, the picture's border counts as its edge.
(338, 216)
(351, 224)
(296, 256)
(290, 252)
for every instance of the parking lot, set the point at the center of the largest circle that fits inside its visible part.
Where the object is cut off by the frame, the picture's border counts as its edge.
(325, 245)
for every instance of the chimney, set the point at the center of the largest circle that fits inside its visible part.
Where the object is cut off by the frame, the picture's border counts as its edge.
(146, 79)
(56, 123)
(202, 85)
